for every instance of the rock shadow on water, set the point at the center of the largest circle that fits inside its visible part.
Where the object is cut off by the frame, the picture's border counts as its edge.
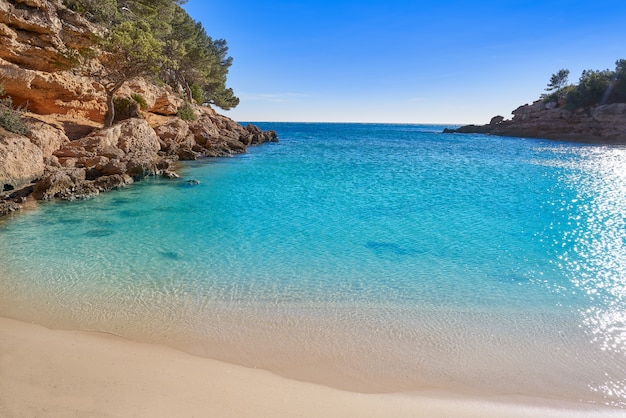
(170, 255)
(131, 213)
(99, 233)
(191, 183)
(70, 221)
(118, 201)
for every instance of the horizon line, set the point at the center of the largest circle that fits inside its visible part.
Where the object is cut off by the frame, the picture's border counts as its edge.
(355, 123)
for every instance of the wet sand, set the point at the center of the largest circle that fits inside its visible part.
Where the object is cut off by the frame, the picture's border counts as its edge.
(51, 373)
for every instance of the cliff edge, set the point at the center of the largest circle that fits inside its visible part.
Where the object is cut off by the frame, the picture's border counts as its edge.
(62, 152)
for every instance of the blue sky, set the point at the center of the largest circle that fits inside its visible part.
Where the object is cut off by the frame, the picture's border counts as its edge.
(405, 61)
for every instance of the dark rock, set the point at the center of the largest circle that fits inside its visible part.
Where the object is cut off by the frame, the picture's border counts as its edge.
(112, 182)
(496, 120)
(186, 154)
(139, 168)
(9, 206)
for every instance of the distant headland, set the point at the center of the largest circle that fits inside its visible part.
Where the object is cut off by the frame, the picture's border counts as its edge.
(592, 111)
(94, 97)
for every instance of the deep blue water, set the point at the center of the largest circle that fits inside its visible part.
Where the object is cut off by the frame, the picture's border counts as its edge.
(392, 257)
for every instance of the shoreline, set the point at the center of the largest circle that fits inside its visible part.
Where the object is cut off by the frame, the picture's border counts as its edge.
(50, 373)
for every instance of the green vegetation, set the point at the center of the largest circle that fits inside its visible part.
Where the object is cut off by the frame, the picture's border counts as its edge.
(185, 112)
(594, 87)
(159, 40)
(197, 93)
(558, 80)
(10, 116)
(140, 100)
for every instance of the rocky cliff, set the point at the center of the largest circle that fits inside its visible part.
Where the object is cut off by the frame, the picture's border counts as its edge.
(603, 124)
(64, 152)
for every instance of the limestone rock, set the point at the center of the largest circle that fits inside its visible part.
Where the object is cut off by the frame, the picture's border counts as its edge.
(50, 93)
(130, 147)
(9, 206)
(166, 104)
(174, 135)
(599, 124)
(59, 184)
(34, 36)
(47, 137)
(21, 161)
(159, 100)
(135, 136)
(34, 33)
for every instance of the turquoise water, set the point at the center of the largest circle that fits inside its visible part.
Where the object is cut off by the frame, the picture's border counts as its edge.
(368, 257)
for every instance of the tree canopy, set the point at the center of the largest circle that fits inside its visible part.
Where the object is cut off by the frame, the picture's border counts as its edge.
(158, 39)
(558, 80)
(594, 87)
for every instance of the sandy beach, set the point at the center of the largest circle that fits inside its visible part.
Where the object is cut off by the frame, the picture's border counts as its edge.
(53, 373)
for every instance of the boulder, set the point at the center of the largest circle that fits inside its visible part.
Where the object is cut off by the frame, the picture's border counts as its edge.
(112, 182)
(131, 136)
(496, 120)
(135, 136)
(175, 134)
(21, 161)
(47, 137)
(166, 104)
(61, 184)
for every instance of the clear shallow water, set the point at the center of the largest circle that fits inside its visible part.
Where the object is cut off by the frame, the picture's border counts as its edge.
(369, 257)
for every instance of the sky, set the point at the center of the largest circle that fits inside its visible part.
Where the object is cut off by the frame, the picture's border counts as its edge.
(401, 61)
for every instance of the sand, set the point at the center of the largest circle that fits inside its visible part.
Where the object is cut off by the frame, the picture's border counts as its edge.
(53, 373)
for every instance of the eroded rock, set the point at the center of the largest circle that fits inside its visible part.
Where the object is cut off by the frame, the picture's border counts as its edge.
(605, 124)
(21, 161)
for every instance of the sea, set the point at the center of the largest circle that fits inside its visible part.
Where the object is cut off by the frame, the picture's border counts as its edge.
(369, 257)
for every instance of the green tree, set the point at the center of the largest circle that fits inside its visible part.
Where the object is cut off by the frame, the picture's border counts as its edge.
(195, 59)
(157, 38)
(617, 90)
(97, 11)
(592, 86)
(130, 50)
(558, 81)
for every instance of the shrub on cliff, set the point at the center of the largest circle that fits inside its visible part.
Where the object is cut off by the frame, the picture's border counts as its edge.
(10, 116)
(125, 108)
(185, 112)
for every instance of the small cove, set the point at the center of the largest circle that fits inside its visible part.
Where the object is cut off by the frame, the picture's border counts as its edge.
(369, 257)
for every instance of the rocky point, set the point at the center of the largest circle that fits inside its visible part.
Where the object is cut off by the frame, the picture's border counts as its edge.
(602, 124)
(65, 154)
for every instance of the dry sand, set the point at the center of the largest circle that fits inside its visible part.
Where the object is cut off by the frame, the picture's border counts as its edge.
(46, 373)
